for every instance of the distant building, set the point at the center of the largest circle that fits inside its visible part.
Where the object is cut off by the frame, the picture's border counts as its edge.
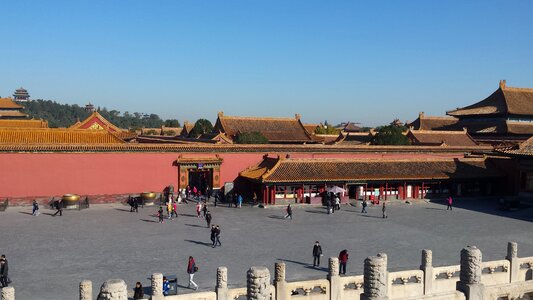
(21, 95)
(9, 109)
(90, 107)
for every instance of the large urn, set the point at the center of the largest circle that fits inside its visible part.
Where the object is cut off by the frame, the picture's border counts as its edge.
(70, 201)
(148, 198)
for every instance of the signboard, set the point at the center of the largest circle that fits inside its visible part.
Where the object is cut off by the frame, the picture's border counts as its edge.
(200, 165)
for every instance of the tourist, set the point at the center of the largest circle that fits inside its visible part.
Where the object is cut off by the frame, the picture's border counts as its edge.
(191, 270)
(254, 198)
(289, 212)
(338, 202)
(208, 193)
(216, 198)
(217, 236)
(239, 200)
(195, 193)
(160, 214)
(187, 192)
(35, 209)
(184, 196)
(59, 206)
(343, 259)
(450, 202)
(4, 268)
(198, 208)
(332, 203)
(166, 286)
(364, 206)
(169, 209)
(328, 205)
(213, 235)
(135, 204)
(204, 209)
(317, 253)
(208, 218)
(138, 291)
(384, 211)
(175, 209)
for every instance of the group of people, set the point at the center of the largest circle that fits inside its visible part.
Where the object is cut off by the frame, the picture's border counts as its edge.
(215, 235)
(317, 254)
(384, 215)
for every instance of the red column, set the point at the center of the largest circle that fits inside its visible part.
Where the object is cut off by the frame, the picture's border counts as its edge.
(404, 190)
(265, 195)
(423, 190)
(386, 189)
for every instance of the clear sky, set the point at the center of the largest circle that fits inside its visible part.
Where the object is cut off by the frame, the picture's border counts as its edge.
(363, 61)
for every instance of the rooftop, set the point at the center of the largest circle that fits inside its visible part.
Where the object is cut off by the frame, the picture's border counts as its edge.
(29, 137)
(439, 137)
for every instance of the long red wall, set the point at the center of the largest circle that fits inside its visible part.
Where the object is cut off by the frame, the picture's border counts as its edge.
(54, 174)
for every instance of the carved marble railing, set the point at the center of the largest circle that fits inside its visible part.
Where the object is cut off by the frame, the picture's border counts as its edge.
(310, 289)
(236, 293)
(406, 284)
(525, 269)
(445, 278)
(352, 286)
(194, 296)
(495, 272)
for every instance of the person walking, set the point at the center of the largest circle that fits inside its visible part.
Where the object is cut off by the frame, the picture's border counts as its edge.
(35, 209)
(450, 202)
(364, 207)
(213, 235)
(384, 210)
(191, 270)
(204, 209)
(239, 200)
(169, 209)
(59, 207)
(208, 219)
(317, 253)
(289, 212)
(216, 198)
(135, 204)
(337, 202)
(217, 236)
(343, 260)
(198, 208)
(4, 271)
(175, 209)
(160, 214)
(138, 292)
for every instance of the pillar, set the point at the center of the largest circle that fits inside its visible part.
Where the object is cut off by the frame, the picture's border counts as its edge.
(470, 275)
(427, 267)
(512, 257)
(113, 289)
(222, 283)
(258, 284)
(336, 287)
(282, 293)
(86, 290)
(8, 293)
(376, 278)
(157, 286)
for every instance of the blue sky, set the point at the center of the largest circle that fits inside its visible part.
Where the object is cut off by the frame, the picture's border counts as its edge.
(368, 62)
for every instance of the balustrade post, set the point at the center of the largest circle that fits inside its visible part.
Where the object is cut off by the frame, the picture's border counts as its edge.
(86, 290)
(258, 284)
(470, 275)
(8, 293)
(222, 283)
(282, 293)
(376, 284)
(427, 267)
(157, 286)
(113, 289)
(514, 264)
(335, 286)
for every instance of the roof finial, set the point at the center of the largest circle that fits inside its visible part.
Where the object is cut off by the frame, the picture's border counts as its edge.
(502, 84)
(297, 116)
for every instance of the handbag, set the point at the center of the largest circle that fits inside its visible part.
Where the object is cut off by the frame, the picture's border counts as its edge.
(195, 269)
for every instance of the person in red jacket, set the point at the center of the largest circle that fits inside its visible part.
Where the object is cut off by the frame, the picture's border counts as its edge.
(191, 269)
(343, 259)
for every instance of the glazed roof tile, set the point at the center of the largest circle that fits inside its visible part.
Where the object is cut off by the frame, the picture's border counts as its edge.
(42, 136)
(342, 170)
(8, 103)
(438, 137)
(16, 123)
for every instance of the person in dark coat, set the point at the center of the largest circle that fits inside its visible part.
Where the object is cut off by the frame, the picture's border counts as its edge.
(138, 291)
(289, 212)
(317, 253)
(208, 218)
(217, 236)
(59, 206)
(364, 206)
(35, 209)
(384, 210)
(450, 202)
(4, 271)
(213, 235)
(343, 260)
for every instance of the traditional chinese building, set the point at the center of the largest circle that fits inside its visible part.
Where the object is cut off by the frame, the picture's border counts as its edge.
(9, 109)
(523, 154)
(97, 122)
(276, 130)
(440, 138)
(21, 95)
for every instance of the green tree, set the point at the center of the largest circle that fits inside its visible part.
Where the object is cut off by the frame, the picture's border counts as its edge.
(326, 129)
(254, 137)
(200, 127)
(390, 135)
(172, 123)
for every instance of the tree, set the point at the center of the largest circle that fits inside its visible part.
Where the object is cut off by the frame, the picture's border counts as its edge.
(390, 135)
(326, 129)
(200, 127)
(172, 123)
(254, 137)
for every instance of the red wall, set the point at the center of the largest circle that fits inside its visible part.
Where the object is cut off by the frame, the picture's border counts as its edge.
(54, 174)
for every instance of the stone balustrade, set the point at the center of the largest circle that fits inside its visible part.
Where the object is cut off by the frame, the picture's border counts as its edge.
(473, 279)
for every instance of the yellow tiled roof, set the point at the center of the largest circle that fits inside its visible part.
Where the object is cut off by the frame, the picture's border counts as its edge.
(23, 124)
(56, 136)
(9, 103)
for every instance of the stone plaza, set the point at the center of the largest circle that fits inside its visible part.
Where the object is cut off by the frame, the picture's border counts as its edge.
(50, 256)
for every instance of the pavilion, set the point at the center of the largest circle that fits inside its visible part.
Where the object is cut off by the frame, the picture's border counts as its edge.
(9, 109)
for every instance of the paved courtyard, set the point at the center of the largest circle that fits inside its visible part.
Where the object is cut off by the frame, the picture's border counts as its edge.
(49, 256)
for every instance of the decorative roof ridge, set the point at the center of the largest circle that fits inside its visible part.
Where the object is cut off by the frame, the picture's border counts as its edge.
(520, 89)
(372, 160)
(259, 118)
(438, 117)
(279, 159)
(437, 131)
